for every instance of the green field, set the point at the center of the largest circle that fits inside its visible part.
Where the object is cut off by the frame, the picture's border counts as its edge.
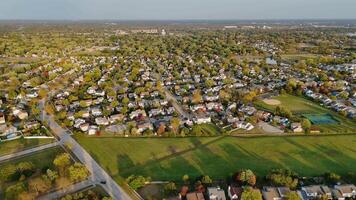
(300, 106)
(21, 144)
(41, 159)
(219, 157)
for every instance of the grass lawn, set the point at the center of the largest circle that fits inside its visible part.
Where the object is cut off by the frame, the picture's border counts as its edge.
(40, 159)
(218, 157)
(300, 105)
(21, 144)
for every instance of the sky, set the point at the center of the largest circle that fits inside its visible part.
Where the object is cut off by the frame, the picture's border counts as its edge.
(176, 9)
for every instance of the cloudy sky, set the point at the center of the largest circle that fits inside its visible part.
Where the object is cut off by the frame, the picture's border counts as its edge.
(177, 9)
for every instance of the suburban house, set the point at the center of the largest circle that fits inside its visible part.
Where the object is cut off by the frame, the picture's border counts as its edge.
(20, 113)
(296, 127)
(316, 191)
(215, 193)
(201, 119)
(275, 193)
(347, 191)
(102, 121)
(195, 196)
(2, 118)
(235, 192)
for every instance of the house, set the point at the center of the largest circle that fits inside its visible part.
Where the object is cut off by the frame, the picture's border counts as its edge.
(144, 126)
(202, 119)
(316, 191)
(96, 112)
(84, 127)
(296, 127)
(243, 125)
(78, 122)
(20, 113)
(337, 194)
(32, 125)
(59, 107)
(234, 192)
(215, 193)
(155, 112)
(87, 103)
(347, 191)
(275, 193)
(116, 117)
(2, 118)
(116, 129)
(92, 130)
(70, 116)
(85, 113)
(195, 196)
(102, 121)
(197, 107)
(137, 113)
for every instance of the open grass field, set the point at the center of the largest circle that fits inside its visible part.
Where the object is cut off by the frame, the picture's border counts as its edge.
(21, 144)
(219, 157)
(299, 106)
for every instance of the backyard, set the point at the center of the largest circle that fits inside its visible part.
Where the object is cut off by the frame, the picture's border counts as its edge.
(219, 157)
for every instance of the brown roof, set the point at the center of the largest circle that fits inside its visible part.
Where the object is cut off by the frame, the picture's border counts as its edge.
(195, 196)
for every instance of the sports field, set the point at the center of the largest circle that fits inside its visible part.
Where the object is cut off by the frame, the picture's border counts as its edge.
(300, 106)
(219, 157)
(320, 118)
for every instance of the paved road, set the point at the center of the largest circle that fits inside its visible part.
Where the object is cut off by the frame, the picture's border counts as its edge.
(68, 190)
(170, 97)
(98, 173)
(28, 151)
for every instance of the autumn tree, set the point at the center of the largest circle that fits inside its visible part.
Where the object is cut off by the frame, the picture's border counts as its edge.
(78, 172)
(62, 161)
(251, 194)
(197, 98)
(306, 125)
(175, 123)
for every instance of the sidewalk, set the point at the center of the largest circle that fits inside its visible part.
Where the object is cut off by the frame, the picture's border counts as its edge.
(28, 151)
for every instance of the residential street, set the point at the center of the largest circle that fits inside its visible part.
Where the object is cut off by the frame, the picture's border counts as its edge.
(170, 97)
(99, 175)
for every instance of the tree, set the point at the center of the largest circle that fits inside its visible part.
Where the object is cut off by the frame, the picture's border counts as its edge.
(52, 175)
(197, 130)
(206, 180)
(246, 176)
(185, 178)
(161, 129)
(78, 172)
(170, 188)
(251, 194)
(25, 168)
(283, 177)
(332, 178)
(136, 182)
(62, 161)
(42, 93)
(197, 98)
(249, 97)
(292, 196)
(306, 125)
(13, 191)
(175, 123)
(7, 172)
